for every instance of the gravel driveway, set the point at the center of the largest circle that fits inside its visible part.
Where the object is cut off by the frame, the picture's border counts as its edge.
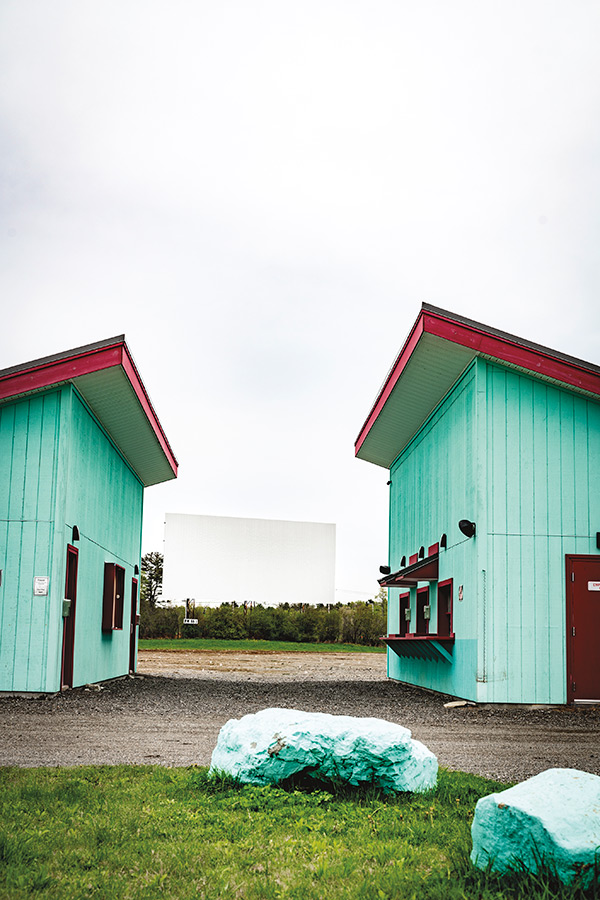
(170, 714)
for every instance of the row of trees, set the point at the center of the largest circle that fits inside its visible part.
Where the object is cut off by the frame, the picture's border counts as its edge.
(352, 623)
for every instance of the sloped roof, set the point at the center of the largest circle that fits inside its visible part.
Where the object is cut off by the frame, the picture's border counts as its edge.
(105, 375)
(439, 348)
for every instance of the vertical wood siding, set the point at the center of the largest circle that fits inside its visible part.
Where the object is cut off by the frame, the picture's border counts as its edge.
(104, 500)
(29, 439)
(521, 457)
(543, 485)
(58, 468)
(434, 484)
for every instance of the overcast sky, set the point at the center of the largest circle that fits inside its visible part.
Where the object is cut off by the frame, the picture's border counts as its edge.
(261, 194)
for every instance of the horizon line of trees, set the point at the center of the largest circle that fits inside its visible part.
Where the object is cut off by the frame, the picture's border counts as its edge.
(359, 622)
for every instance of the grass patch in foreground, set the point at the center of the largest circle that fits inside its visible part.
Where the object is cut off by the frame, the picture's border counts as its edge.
(144, 832)
(245, 645)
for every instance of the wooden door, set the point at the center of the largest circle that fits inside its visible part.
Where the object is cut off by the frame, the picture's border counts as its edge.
(68, 644)
(133, 624)
(403, 628)
(422, 603)
(444, 608)
(583, 628)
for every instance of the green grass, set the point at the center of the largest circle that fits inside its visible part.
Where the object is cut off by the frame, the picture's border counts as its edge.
(245, 645)
(146, 832)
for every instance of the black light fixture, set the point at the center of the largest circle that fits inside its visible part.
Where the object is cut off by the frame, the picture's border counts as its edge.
(385, 570)
(443, 541)
(467, 527)
(388, 483)
(402, 562)
(421, 552)
(136, 570)
(75, 533)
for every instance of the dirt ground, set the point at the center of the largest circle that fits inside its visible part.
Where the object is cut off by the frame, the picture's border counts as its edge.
(171, 712)
(263, 665)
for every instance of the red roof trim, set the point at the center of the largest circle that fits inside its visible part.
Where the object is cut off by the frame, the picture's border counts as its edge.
(538, 361)
(48, 373)
(504, 348)
(51, 371)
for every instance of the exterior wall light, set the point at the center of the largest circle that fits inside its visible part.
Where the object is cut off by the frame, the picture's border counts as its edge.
(443, 541)
(75, 533)
(467, 527)
(385, 570)
(402, 562)
(421, 552)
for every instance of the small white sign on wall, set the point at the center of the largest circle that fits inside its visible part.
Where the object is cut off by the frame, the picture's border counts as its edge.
(593, 585)
(41, 584)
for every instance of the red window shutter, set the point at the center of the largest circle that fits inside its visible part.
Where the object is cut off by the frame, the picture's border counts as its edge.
(108, 599)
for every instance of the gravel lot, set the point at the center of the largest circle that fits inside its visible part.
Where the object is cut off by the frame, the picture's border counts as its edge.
(171, 713)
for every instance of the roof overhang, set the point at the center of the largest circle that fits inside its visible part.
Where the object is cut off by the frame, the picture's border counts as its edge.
(423, 570)
(440, 346)
(106, 377)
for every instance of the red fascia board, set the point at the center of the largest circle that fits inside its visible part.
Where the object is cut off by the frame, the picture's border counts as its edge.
(59, 371)
(63, 370)
(484, 344)
(514, 353)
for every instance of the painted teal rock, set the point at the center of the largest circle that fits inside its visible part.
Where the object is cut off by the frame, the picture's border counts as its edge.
(274, 744)
(553, 817)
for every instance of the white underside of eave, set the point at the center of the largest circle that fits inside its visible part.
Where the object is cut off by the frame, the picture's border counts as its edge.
(433, 368)
(111, 397)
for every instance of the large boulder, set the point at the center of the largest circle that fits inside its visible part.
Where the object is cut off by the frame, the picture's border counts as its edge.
(269, 746)
(552, 819)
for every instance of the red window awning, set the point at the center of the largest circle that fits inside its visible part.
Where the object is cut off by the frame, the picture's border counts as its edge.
(423, 570)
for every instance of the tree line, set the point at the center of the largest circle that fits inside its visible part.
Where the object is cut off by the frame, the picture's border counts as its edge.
(353, 623)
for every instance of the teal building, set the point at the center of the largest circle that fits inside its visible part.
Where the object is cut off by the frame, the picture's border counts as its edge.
(492, 444)
(79, 442)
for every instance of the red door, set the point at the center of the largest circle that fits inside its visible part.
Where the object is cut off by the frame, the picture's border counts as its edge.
(68, 645)
(422, 604)
(583, 628)
(133, 624)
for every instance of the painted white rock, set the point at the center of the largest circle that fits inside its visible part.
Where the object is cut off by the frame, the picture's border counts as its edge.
(553, 817)
(271, 745)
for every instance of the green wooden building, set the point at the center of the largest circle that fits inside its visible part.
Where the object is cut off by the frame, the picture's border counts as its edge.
(493, 449)
(79, 441)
